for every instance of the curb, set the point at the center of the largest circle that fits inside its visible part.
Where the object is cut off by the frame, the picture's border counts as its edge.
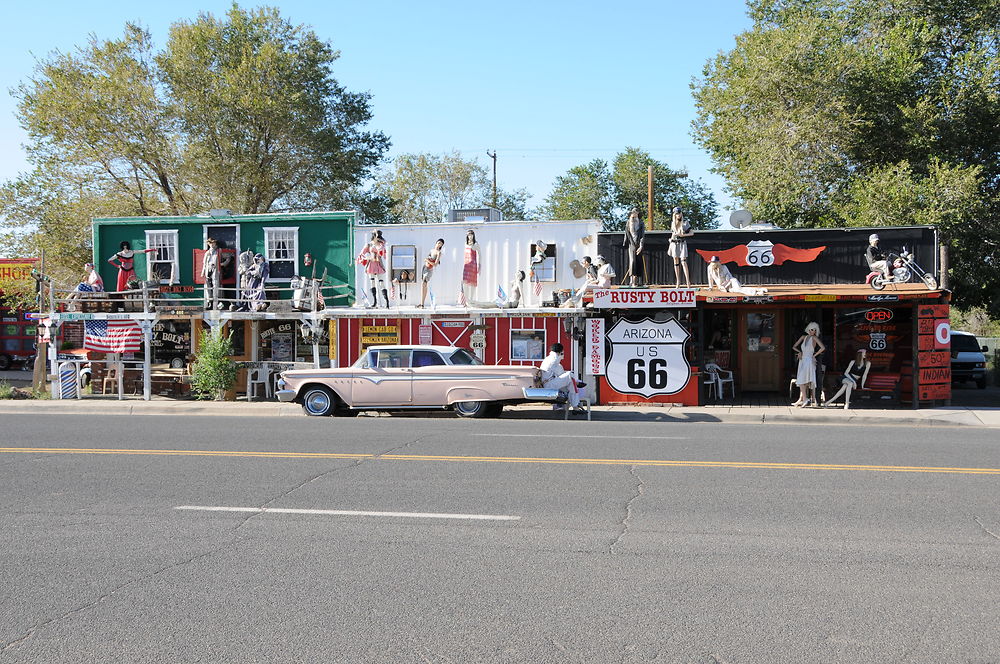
(963, 418)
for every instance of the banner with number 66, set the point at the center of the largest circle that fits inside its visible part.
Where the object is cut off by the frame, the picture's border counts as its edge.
(647, 357)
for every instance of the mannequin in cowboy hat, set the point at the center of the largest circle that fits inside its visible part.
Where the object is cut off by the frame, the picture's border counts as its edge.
(720, 277)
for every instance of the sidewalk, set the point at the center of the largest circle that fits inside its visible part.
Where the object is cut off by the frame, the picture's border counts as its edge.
(953, 416)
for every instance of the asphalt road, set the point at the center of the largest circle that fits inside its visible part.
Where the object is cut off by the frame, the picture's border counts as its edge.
(606, 542)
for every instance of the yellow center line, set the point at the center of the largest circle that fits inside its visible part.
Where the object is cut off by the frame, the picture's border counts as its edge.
(664, 463)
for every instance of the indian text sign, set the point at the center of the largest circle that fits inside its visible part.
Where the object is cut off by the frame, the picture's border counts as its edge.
(643, 298)
(647, 357)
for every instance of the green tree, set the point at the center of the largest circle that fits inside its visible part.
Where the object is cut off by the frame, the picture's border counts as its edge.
(423, 187)
(240, 113)
(848, 112)
(214, 370)
(585, 192)
(593, 191)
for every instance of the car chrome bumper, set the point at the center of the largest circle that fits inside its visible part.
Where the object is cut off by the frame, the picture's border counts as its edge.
(285, 395)
(541, 394)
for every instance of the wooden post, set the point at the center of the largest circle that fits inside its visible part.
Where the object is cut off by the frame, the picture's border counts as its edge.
(943, 267)
(649, 196)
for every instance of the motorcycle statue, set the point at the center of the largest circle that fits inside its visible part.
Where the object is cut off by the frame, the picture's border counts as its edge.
(904, 266)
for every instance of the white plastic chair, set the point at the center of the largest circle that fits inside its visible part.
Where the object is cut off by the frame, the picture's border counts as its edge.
(711, 380)
(257, 378)
(722, 376)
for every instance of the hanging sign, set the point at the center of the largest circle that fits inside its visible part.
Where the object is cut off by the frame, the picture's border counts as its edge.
(880, 315)
(594, 331)
(643, 298)
(647, 357)
(478, 340)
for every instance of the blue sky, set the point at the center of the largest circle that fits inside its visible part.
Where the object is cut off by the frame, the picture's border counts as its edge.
(548, 85)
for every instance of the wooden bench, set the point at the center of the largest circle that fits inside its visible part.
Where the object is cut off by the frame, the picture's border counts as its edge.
(881, 384)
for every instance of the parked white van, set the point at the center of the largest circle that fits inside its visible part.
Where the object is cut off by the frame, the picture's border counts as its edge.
(968, 359)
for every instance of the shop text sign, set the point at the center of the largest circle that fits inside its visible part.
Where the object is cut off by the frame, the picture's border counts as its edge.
(595, 346)
(379, 335)
(647, 357)
(643, 298)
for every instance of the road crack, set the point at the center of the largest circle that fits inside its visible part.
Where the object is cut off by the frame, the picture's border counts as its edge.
(233, 537)
(625, 522)
(985, 529)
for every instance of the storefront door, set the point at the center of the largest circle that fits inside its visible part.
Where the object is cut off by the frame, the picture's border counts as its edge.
(760, 364)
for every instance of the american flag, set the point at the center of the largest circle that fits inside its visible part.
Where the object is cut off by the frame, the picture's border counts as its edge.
(112, 336)
(461, 298)
(536, 285)
(501, 296)
(364, 297)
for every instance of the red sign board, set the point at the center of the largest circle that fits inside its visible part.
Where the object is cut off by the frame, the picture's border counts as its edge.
(932, 311)
(930, 375)
(939, 391)
(930, 359)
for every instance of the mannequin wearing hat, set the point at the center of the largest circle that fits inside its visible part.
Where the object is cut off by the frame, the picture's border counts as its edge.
(635, 233)
(680, 230)
(720, 277)
(877, 259)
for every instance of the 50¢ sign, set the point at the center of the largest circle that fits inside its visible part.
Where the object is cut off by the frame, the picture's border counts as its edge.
(647, 357)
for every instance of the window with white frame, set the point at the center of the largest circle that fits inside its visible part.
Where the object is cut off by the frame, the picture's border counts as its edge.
(161, 265)
(282, 252)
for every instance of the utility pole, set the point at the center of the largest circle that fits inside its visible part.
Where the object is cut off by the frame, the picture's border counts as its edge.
(649, 196)
(494, 157)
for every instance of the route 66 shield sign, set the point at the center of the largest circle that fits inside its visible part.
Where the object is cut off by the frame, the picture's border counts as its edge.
(647, 357)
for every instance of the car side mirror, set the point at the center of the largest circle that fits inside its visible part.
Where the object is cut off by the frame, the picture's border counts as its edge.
(986, 349)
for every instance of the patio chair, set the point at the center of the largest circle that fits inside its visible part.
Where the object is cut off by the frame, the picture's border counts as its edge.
(721, 377)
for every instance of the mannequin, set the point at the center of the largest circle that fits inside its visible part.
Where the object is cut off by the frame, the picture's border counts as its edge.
(244, 263)
(211, 270)
(555, 377)
(877, 259)
(605, 273)
(514, 297)
(430, 263)
(257, 278)
(92, 284)
(470, 268)
(807, 348)
(124, 260)
(373, 258)
(635, 233)
(720, 277)
(590, 281)
(680, 230)
(855, 376)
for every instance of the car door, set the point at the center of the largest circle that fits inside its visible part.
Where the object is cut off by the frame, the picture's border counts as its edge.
(387, 381)
(431, 378)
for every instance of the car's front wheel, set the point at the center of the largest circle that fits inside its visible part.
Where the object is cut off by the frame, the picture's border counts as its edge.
(318, 401)
(472, 408)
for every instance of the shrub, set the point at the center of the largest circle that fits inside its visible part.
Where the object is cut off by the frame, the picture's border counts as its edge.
(214, 370)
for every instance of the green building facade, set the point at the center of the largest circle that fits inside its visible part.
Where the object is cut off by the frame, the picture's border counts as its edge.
(285, 239)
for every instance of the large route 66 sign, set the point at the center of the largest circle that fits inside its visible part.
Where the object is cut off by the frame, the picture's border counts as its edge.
(647, 357)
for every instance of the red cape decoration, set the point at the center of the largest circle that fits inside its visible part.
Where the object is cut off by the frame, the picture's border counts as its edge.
(781, 253)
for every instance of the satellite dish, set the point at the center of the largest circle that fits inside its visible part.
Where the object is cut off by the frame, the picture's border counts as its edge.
(740, 219)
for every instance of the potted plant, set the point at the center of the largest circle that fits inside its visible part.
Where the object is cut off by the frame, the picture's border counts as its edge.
(214, 371)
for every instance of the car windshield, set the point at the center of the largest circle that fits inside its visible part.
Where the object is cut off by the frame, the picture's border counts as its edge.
(961, 343)
(462, 356)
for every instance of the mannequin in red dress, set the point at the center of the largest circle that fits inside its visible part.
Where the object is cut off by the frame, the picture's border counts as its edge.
(124, 260)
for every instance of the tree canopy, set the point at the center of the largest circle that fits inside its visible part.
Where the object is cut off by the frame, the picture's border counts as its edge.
(866, 113)
(422, 188)
(597, 191)
(240, 112)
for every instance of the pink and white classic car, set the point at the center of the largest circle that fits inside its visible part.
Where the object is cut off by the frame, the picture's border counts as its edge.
(414, 378)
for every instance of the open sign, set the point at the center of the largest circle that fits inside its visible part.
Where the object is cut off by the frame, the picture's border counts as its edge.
(878, 315)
